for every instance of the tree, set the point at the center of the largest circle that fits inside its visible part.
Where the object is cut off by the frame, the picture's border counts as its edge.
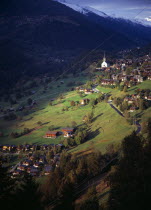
(29, 101)
(73, 124)
(91, 200)
(6, 187)
(88, 117)
(72, 103)
(39, 123)
(125, 89)
(51, 128)
(93, 102)
(127, 179)
(27, 190)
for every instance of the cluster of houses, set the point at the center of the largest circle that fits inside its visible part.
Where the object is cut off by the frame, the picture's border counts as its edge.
(35, 166)
(85, 90)
(66, 132)
(133, 100)
(136, 76)
(27, 148)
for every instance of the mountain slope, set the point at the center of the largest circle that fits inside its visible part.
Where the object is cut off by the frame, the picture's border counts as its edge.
(37, 35)
(131, 30)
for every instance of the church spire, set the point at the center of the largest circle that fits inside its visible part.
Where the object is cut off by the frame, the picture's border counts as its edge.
(104, 64)
(104, 59)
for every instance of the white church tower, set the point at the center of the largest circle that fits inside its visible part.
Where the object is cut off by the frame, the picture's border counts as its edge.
(104, 64)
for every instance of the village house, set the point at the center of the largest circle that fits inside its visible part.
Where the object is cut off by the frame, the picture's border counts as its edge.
(37, 164)
(88, 91)
(42, 159)
(27, 162)
(68, 132)
(21, 167)
(52, 134)
(148, 98)
(108, 82)
(33, 171)
(139, 78)
(84, 101)
(6, 147)
(132, 109)
(81, 89)
(47, 170)
(149, 77)
(115, 76)
(17, 172)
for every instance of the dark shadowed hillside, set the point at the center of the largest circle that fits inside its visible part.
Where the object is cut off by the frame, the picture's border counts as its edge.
(39, 36)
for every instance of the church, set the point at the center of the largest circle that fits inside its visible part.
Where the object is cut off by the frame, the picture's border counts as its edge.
(104, 64)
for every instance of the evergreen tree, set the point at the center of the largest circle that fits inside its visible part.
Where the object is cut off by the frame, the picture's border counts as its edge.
(127, 182)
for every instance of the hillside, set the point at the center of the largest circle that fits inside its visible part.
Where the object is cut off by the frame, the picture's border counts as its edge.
(46, 36)
(53, 115)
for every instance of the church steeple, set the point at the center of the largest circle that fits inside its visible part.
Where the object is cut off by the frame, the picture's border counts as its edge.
(104, 64)
(104, 58)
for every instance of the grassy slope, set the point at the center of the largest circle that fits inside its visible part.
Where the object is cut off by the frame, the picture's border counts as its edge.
(106, 128)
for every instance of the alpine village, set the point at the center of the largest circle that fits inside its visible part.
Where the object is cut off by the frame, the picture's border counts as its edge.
(75, 120)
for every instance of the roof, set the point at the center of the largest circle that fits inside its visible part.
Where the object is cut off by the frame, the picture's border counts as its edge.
(52, 132)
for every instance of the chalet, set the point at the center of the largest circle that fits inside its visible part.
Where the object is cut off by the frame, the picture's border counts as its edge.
(149, 77)
(148, 98)
(37, 164)
(19, 148)
(127, 83)
(135, 96)
(17, 172)
(130, 100)
(52, 134)
(47, 170)
(5, 147)
(22, 167)
(132, 109)
(81, 89)
(27, 147)
(124, 78)
(44, 147)
(108, 82)
(33, 157)
(27, 162)
(33, 171)
(57, 164)
(68, 132)
(88, 91)
(42, 159)
(115, 77)
(84, 101)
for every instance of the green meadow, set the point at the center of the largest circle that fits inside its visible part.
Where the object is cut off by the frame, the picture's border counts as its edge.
(107, 126)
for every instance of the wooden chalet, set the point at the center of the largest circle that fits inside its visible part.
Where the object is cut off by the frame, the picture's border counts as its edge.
(68, 132)
(33, 171)
(17, 172)
(47, 170)
(132, 109)
(52, 134)
(22, 167)
(88, 91)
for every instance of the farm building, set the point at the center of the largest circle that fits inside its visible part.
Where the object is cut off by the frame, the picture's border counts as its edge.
(52, 134)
